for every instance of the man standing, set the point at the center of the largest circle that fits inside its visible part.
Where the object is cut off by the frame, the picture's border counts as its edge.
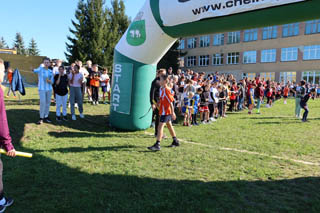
(154, 97)
(5, 142)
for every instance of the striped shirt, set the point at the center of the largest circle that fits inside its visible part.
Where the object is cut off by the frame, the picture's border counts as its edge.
(43, 76)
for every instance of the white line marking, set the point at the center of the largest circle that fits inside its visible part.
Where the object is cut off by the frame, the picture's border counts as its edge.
(248, 152)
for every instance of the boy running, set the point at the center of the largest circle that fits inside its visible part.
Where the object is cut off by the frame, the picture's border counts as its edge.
(166, 112)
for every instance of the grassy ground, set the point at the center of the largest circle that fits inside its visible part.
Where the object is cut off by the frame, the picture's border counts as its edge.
(84, 166)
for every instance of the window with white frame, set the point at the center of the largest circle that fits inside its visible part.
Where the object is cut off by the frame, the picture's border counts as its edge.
(312, 77)
(268, 56)
(192, 43)
(249, 76)
(250, 35)
(313, 27)
(250, 57)
(181, 44)
(217, 59)
(191, 61)
(289, 54)
(311, 52)
(288, 76)
(233, 37)
(233, 58)
(269, 32)
(205, 41)
(204, 60)
(289, 30)
(218, 39)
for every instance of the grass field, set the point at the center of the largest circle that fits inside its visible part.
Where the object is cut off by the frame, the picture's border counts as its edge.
(258, 163)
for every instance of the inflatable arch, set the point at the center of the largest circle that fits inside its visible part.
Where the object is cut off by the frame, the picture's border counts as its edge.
(161, 22)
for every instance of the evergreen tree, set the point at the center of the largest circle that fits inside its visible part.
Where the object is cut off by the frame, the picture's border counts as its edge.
(3, 43)
(33, 49)
(76, 49)
(19, 44)
(171, 58)
(96, 31)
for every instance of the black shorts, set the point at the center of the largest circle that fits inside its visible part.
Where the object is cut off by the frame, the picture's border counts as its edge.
(285, 96)
(165, 118)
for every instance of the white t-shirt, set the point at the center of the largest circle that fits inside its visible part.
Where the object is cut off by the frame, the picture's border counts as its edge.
(84, 72)
(215, 93)
(104, 78)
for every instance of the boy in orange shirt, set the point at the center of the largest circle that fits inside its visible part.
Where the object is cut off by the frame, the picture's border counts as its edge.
(95, 84)
(166, 112)
(10, 77)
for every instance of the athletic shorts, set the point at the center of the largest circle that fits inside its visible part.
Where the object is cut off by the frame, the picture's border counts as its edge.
(204, 109)
(251, 101)
(165, 118)
(285, 96)
(104, 89)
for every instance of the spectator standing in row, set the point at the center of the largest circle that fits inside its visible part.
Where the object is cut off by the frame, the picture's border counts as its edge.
(45, 81)
(61, 89)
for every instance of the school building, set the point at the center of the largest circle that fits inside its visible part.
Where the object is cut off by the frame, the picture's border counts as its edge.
(288, 52)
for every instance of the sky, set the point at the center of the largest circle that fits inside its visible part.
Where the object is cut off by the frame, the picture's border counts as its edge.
(46, 21)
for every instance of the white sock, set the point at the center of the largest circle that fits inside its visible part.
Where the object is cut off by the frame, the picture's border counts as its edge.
(3, 201)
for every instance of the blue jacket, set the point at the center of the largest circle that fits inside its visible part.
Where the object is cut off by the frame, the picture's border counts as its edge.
(17, 83)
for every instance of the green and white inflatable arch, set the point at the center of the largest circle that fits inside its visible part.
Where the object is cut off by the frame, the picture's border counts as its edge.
(158, 25)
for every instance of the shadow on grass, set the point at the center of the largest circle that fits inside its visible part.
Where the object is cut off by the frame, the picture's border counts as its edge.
(27, 102)
(90, 134)
(55, 187)
(95, 124)
(42, 184)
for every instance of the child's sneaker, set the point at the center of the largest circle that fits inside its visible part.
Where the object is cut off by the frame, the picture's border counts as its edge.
(47, 120)
(9, 202)
(74, 118)
(155, 147)
(58, 118)
(65, 118)
(81, 115)
(40, 121)
(175, 143)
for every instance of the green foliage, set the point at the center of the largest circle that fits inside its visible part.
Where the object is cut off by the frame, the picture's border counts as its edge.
(171, 58)
(3, 43)
(85, 166)
(19, 44)
(97, 30)
(33, 48)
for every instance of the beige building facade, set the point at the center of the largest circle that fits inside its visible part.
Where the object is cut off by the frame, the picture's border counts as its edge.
(281, 53)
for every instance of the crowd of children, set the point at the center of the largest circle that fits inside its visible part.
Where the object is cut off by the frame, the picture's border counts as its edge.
(210, 96)
(70, 84)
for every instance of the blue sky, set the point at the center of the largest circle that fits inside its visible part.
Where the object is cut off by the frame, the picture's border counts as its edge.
(46, 21)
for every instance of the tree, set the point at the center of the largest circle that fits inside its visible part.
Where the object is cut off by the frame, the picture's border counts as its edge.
(33, 49)
(19, 44)
(171, 58)
(3, 43)
(96, 31)
(77, 47)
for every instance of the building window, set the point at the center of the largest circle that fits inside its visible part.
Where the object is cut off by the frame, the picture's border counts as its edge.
(313, 27)
(269, 32)
(181, 44)
(268, 56)
(181, 61)
(249, 76)
(251, 35)
(250, 57)
(204, 41)
(204, 60)
(217, 59)
(289, 54)
(271, 76)
(312, 77)
(191, 61)
(192, 43)
(233, 58)
(218, 39)
(288, 76)
(289, 30)
(233, 37)
(311, 52)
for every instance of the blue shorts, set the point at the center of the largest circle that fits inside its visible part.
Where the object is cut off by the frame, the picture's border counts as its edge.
(104, 89)
(251, 101)
(165, 118)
